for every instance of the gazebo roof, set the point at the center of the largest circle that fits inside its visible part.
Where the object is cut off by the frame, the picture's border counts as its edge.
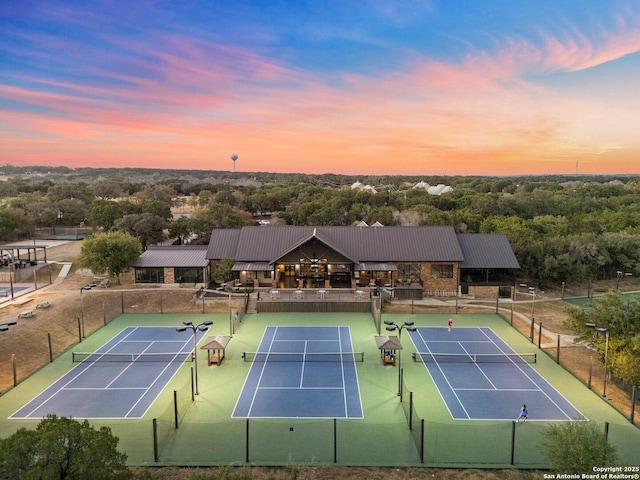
(385, 342)
(217, 342)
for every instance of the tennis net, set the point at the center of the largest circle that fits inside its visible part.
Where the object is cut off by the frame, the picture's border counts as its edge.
(427, 357)
(303, 357)
(164, 357)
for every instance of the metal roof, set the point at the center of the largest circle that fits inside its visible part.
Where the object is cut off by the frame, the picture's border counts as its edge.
(360, 244)
(223, 243)
(252, 267)
(385, 342)
(483, 250)
(376, 267)
(157, 256)
(218, 342)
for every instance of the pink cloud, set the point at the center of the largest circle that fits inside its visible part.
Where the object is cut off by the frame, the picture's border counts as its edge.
(198, 101)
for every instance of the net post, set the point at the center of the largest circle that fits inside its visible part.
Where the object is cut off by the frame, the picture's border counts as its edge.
(50, 347)
(155, 441)
(175, 408)
(513, 440)
(246, 456)
(335, 440)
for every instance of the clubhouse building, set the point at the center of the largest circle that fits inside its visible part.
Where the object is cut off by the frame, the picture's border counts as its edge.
(414, 261)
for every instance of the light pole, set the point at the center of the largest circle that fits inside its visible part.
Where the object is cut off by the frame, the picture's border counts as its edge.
(390, 326)
(606, 353)
(202, 327)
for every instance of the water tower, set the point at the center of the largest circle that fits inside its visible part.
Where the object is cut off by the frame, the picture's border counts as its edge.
(234, 157)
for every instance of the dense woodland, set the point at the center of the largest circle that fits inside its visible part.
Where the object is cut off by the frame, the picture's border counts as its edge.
(562, 228)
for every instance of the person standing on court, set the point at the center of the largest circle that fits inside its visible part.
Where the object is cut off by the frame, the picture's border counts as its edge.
(523, 414)
(450, 324)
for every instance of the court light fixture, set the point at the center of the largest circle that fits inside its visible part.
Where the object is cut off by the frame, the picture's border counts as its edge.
(605, 331)
(202, 327)
(391, 327)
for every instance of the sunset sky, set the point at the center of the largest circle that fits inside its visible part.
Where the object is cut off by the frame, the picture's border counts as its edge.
(424, 87)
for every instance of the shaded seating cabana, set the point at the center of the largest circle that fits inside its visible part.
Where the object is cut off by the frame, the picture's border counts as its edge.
(388, 346)
(215, 346)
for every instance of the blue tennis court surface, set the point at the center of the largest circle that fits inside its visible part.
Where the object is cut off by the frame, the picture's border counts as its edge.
(292, 377)
(480, 377)
(107, 385)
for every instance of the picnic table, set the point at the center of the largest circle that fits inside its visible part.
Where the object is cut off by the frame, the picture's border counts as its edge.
(26, 314)
(43, 304)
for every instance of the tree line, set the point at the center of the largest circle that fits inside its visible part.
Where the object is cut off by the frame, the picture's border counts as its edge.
(562, 229)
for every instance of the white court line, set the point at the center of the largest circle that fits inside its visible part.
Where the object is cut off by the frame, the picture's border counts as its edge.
(535, 383)
(255, 391)
(446, 380)
(479, 368)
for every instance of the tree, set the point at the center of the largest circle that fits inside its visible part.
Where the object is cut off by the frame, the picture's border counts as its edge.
(104, 213)
(222, 272)
(63, 448)
(15, 223)
(146, 227)
(575, 447)
(622, 321)
(111, 252)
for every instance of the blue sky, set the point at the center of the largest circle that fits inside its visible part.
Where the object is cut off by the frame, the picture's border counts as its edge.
(370, 87)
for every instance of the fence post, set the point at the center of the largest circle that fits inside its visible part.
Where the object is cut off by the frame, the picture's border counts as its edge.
(79, 331)
(410, 410)
(531, 333)
(422, 440)
(513, 440)
(122, 302)
(50, 347)
(335, 440)
(193, 385)
(15, 369)
(155, 440)
(540, 335)
(175, 408)
(558, 351)
(634, 391)
(247, 443)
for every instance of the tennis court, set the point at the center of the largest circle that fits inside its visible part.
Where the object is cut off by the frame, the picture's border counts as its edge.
(121, 379)
(480, 377)
(302, 372)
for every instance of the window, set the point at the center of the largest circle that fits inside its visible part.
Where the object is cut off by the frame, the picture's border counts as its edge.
(187, 275)
(442, 271)
(408, 272)
(149, 275)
